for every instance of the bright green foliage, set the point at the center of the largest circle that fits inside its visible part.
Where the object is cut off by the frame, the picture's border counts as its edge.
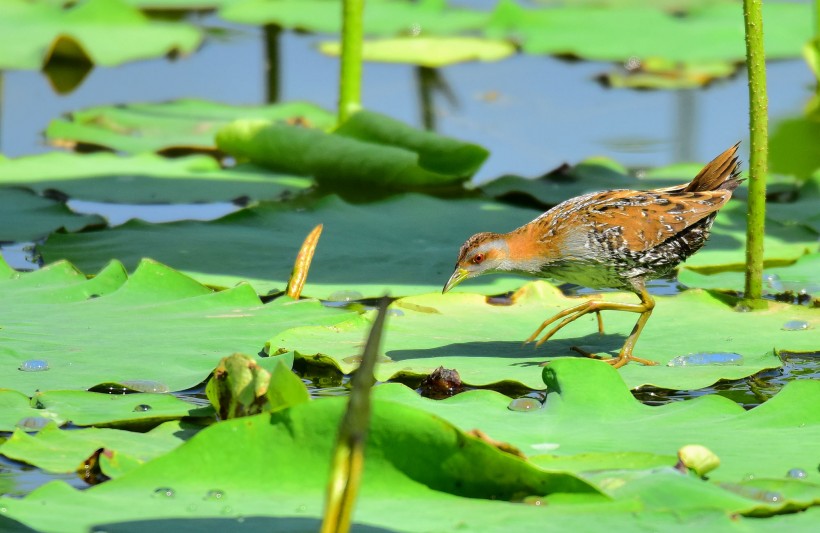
(368, 149)
(144, 179)
(396, 245)
(187, 125)
(59, 450)
(26, 217)
(34, 33)
(433, 52)
(485, 342)
(382, 17)
(708, 33)
(157, 325)
(590, 413)
(793, 146)
(82, 408)
(422, 474)
(800, 276)
(239, 387)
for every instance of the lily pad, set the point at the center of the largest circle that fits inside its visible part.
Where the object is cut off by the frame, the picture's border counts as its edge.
(186, 125)
(156, 325)
(433, 52)
(33, 34)
(145, 178)
(395, 245)
(792, 146)
(471, 481)
(589, 403)
(706, 33)
(382, 17)
(27, 217)
(64, 451)
(485, 342)
(659, 73)
(803, 275)
(83, 408)
(369, 150)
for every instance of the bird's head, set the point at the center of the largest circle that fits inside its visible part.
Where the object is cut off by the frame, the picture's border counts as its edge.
(483, 253)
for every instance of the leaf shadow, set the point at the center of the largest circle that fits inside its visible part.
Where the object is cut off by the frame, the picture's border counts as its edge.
(253, 523)
(524, 354)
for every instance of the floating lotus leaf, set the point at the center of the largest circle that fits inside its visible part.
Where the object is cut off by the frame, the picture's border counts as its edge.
(705, 34)
(433, 52)
(803, 275)
(186, 125)
(485, 342)
(33, 34)
(26, 217)
(82, 408)
(369, 150)
(396, 245)
(145, 179)
(206, 483)
(658, 73)
(64, 451)
(382, 17)
(156, 325)
(793, 145)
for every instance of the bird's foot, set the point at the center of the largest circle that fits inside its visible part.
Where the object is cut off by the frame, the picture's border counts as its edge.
(574, 313)
(616, 362)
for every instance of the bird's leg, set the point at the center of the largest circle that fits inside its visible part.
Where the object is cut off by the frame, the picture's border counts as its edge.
(600, 322)
(596, 306)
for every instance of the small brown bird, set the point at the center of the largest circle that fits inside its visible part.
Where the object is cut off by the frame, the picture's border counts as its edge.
(612, 239)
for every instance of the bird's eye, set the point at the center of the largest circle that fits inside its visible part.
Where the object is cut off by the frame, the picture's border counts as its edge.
(478, 258)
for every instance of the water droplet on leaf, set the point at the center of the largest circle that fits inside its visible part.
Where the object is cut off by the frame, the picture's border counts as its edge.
(164, 492)
(215, 494)
(345, 296)
(797, 473)
(795, 325)
(33, 423)
(706, 358)
(142, 408)
(145, 385)
(34, 365)
(524, 404)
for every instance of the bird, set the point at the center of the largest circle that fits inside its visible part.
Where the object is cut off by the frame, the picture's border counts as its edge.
(617, 239)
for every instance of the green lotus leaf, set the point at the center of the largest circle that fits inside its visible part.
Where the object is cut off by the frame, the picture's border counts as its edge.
(706, 34)
(157, 325)
(26, 217)
(83, 408)
(590, 413)
(433, 52)
(181, 126)
(658, 73)
(792, 146)
(484, 342)
(63, 451)
(35, 33)
(206, 483)
(395, 245)
(145, 178)
(369, 149)
(382, 17)
(800, 276)
(801, 212)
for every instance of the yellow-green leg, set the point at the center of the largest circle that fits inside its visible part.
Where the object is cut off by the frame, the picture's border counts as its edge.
(596, 306)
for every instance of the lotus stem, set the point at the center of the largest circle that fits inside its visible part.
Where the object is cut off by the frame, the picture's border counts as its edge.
(759, 150)
(350, 77)
(348, 456)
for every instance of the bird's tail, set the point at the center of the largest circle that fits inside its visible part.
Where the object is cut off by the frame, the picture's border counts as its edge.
(721, 173)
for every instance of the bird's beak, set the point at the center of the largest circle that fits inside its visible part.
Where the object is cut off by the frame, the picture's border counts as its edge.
(458, 276)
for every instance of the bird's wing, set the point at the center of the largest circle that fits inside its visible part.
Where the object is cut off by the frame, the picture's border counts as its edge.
(648, 218)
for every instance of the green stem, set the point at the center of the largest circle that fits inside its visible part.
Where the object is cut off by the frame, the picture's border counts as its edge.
(348, 456)
(350, 79)
(759, 138)
(272, 34)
